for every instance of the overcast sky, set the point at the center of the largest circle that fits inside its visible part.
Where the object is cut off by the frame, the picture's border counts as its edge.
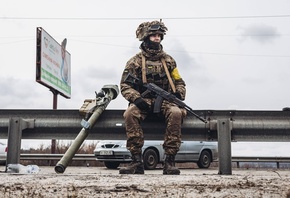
(231, 54)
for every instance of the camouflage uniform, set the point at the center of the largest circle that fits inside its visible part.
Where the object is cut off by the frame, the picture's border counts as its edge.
(155, 73)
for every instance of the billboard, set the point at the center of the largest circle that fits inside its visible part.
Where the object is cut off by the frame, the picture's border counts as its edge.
(53, 63)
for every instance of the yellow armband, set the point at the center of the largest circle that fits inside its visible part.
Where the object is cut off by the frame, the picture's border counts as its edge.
(175, 74)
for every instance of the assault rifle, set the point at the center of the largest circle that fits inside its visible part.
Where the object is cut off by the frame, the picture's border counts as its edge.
(161, 94)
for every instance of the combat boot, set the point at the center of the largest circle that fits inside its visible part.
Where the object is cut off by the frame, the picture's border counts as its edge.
(169, 166)
(135, 167)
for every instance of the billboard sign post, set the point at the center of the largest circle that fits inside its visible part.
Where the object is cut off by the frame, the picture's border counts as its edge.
(53, 67)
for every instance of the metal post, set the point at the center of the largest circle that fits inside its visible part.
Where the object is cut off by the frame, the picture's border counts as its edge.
(14, 141)
(54, 107)
(224, 146)
(16, 125)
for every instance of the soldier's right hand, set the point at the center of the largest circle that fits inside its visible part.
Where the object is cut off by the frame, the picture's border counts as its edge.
(142, 104)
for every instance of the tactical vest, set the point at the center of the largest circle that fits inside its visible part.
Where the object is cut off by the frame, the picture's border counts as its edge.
(156, 72)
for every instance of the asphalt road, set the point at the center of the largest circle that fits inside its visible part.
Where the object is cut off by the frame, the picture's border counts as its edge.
(101, 182)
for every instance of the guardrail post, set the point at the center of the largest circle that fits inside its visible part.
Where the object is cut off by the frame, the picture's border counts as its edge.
(224, 146)
(16, 125)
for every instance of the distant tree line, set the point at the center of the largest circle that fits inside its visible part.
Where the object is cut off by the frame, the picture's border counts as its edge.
(61, 148)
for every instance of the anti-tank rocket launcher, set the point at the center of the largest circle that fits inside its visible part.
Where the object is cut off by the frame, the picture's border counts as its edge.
(92, 109)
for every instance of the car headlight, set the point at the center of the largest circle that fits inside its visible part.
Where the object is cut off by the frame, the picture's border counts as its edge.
(124, 145)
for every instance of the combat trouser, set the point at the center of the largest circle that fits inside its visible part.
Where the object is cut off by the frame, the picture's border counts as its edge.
(172, 138)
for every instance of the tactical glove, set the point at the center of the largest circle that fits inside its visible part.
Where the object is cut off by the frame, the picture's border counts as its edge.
(178, 95)
(141, 104)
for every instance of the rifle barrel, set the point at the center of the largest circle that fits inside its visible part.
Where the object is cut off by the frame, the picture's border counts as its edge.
(193, 113)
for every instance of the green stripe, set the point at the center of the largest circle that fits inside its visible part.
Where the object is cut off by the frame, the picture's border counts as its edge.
(55, 81)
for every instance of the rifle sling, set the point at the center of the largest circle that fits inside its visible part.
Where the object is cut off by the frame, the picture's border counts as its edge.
(168, 75)
(144, 79)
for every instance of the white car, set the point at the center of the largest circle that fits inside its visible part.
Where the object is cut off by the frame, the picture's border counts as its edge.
(114, 152)
(3, 153)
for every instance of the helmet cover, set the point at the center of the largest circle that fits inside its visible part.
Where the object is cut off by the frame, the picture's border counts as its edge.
(146, 29)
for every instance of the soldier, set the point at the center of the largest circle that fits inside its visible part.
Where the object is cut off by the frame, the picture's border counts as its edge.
(152, 65)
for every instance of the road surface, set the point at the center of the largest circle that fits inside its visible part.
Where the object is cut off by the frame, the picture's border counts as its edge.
(101, 182)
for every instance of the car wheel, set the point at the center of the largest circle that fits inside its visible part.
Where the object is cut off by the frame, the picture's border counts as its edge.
(112, 165)
(150, 158)
(204, 160)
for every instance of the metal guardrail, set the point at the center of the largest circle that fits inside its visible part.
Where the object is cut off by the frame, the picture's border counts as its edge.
(260, 126)
(276, 160)
(260, 159)
(222, 126)
(91, 157)
(78, 157)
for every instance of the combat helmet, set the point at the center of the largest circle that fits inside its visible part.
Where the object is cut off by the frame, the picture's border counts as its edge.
(146, 29)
